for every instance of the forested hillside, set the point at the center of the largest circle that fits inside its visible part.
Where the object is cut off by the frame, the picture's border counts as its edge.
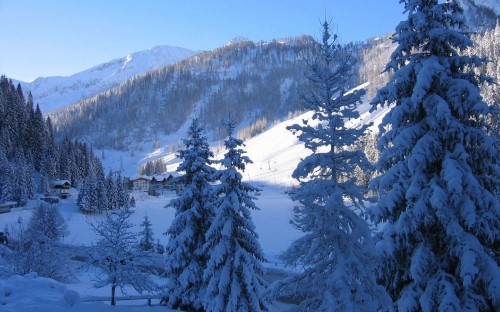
(254, 82)
(29, 156)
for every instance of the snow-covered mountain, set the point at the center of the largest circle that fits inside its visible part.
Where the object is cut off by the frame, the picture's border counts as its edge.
(52, 93)
(257, 83)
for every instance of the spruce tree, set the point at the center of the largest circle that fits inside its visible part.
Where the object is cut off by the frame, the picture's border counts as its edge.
(194, 208)
(439, 180)
(146, 242)
(112, 191)
(5, 185)
(38, 245)
(102, 195)
(88, 196)
(123, 198)
(234, 272)
(336, 249)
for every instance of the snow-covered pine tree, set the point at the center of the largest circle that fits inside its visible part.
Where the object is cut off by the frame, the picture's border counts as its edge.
(102, 194)
(22, 182)
(111, 191)
(132, 202)
(5, 185)
(87, 197)
(146, 242)
(122, 195)
(336, 250)
(47, 224)
(38, 245)
(233, 275)
(194, 207)
(115, 256)
(439, 180)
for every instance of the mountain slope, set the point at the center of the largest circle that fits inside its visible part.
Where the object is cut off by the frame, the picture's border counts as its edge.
(256, 83)
(481, 14)
(52, 93)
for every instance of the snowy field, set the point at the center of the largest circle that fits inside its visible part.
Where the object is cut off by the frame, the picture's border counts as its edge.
(272, 222)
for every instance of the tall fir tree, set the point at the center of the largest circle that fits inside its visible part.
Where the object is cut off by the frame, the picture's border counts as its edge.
(336, 250)
(234, 273)
(146, 242)
(102, 195)
(123, 199)
(88, 197)
(439, 181)
(112, 191)
(194, 207)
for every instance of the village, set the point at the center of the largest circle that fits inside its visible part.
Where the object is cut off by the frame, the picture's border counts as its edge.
(61, 189)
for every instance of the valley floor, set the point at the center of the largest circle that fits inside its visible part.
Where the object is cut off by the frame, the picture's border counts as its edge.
(31, 293)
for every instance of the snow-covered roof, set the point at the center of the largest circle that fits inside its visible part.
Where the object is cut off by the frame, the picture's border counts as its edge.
(60, 182)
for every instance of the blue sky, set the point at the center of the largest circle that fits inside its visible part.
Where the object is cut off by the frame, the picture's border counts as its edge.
(62, 37)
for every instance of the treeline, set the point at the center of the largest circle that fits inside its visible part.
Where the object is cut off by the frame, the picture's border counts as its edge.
(99, 193)
(153, 167)
(29, 156)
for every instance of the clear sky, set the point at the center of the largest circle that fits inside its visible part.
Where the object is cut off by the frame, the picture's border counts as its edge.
(62, 37)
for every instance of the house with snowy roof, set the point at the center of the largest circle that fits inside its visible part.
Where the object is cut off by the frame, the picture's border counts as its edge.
(62, 187)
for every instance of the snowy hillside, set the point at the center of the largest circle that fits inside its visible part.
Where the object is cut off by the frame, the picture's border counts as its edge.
(481, 13)
(56, 92)
(254, 81)
(275, 152)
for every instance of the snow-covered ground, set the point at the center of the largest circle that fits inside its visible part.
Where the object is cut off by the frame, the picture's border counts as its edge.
(31, 293)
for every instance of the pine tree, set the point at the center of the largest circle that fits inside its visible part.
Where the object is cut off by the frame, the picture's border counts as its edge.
(147, 242)
(234, 272)
(5, 183)
(111, 191)
(47, 224)
(88, 197)
(336, 249)
(123, 199)
(102, 194)
(38, 245)
(132, 202)
(21, 179)
(439, 180)
(37, 130)
(194, 211)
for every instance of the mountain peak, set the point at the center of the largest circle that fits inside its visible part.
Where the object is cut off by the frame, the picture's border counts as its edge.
(53, 93)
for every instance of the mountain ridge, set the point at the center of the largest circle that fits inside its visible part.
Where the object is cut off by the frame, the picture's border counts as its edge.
(247, 79)
(55, 92)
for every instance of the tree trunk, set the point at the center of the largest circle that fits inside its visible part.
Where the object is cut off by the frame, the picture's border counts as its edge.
(113, 300)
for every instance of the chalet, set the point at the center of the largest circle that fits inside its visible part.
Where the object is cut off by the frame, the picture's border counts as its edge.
(162, 181)
(63, 187)
(141, 184)
(144, 183)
